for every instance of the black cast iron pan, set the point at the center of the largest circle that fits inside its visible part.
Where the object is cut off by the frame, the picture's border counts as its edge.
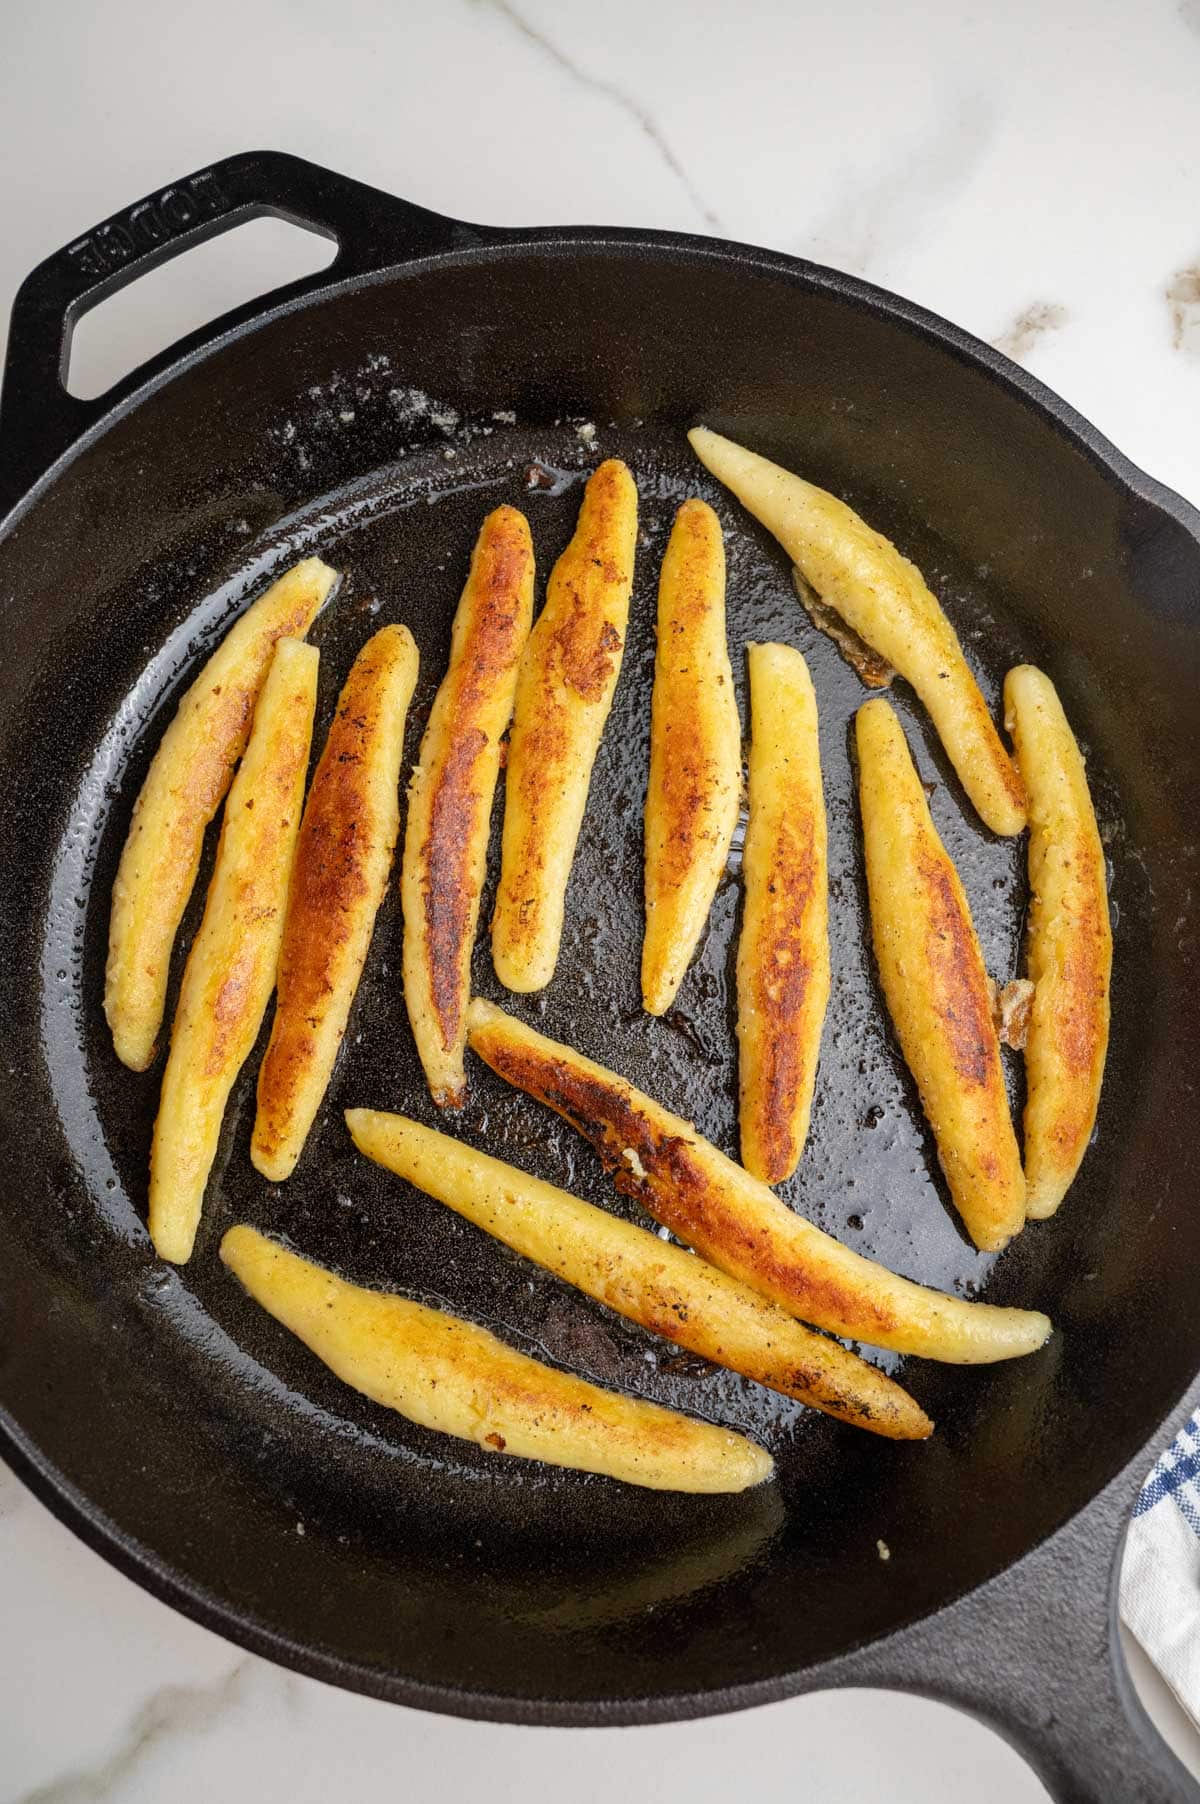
(375, 412)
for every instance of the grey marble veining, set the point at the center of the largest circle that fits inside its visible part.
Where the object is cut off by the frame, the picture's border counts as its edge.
(12, 1496)
(172, 1719)
(1183, 300)
(1029, 327)
(871, 220)
(642, 118)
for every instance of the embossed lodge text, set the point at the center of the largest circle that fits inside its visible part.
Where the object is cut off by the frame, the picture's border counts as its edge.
(151, 222)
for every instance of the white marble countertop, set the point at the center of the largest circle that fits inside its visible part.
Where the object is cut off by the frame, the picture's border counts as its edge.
(1029, 170)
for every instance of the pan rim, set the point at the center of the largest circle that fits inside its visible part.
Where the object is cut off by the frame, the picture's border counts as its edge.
(197, 347)
(138, 1563)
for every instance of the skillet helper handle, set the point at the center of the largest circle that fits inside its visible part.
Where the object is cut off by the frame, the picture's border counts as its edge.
(39, 420)
(1036, 1655)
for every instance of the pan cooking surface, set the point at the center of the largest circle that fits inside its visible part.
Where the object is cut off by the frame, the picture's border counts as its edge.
(187, 1432)
(869, 1175)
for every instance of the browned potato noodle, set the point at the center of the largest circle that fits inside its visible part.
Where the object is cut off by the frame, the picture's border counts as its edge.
(230, 972)
(885, 601)
(565, 689)
(450, 797)
(185, 785)
(1069, 945)
(733, 1219)
(933, 976)
(339, 877)
(783, 949)
(458, 1379)
(693, 792)
(650, 1281)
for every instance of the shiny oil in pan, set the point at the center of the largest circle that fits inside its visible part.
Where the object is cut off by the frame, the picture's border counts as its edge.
(868, 1175)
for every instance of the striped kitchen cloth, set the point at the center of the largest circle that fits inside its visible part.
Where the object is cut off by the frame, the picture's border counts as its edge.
(1160, 1580)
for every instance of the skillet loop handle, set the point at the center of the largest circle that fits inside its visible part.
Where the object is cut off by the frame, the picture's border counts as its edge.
(1036, 1655)
(39, 420)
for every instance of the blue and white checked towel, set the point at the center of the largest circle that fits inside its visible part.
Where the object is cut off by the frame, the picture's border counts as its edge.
(1160, 1580)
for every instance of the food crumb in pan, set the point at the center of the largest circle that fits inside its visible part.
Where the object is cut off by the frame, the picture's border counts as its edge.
(1011, 1009)
(883, 1550)
(505, 416)
(413, 404)
(874, 671)
(586, 433)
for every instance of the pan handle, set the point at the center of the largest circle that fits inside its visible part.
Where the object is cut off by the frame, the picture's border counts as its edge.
(39, 420)
(1036, 1655)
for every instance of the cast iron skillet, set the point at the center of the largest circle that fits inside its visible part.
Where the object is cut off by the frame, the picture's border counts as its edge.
(369, 412)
